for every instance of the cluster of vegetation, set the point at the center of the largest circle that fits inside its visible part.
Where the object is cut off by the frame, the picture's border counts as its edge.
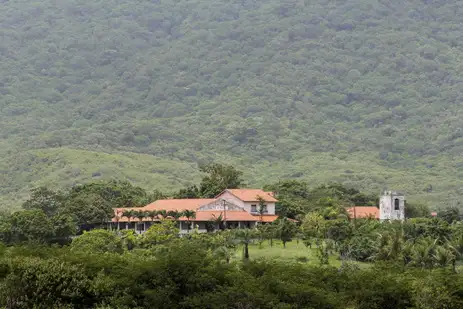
(45, 265)
(104, 269)
(362, 92)
(55, 216)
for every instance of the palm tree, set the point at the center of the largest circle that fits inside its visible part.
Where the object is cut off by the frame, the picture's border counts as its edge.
(423, 253)
(456, 246)
(224, 252)
(174, 214)
(117, 217)
(129, 213)
(189, 214)
(396, 243)
(245, 237)
(218, 221)
(140, 215)
(444, 257)
(152, 214)
(389, 246)
(162, 213)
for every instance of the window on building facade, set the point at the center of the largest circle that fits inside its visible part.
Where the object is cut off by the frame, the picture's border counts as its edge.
(253, 208)
(396, 204)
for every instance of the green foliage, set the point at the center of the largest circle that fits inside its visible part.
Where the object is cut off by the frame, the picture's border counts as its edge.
(267, 231)
(64, 226)
(219, 177)
(44, 283)
(88, 209)
(385, 290)
(83, 206)
(31, 225)
(44, 199)
(188, 192)
(118, 194)
(361, 248)
(285, 230)
(160, 233)
(189, 215)
(144, 91)
(417, 210)
(245, 238)
(296, 198)
(194, 273)
(314, 225)
(97, 241)
(434, 228)
(450, 214)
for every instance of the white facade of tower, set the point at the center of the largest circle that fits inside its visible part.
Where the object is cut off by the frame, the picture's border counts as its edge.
(392, 206)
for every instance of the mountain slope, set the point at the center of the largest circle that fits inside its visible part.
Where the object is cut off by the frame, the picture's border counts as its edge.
(282, 86)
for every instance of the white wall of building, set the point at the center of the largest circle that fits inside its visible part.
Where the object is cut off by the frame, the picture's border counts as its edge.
(246, 205)
(270, 207)
(234, 200)
(387, 206)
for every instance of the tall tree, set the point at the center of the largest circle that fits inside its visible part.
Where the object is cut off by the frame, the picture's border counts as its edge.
(119, 194)
(44, 199)
(64, 227)
(188, 192)
(262, 208)
(218, 178)
(31, 225)
(88, 209)
(286, 230)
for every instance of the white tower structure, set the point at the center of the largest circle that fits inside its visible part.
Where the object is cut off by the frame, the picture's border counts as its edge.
(392, 206)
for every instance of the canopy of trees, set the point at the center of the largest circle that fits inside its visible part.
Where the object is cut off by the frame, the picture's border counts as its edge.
(358, 91)
(415, 264)
(104, 269)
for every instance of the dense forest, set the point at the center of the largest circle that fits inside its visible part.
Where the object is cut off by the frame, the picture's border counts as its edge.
(363, 92)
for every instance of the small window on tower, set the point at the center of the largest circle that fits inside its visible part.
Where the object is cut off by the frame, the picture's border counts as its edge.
(396, 204)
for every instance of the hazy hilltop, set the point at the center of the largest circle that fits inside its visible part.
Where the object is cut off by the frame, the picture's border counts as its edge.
(359, 91)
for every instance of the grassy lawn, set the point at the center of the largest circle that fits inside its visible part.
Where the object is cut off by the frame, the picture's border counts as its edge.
(297, 253)
(294, 252)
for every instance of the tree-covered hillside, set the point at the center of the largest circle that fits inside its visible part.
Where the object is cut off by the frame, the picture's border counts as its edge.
(366, 92)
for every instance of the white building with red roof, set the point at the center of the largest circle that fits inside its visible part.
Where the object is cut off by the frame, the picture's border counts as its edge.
(233, 208)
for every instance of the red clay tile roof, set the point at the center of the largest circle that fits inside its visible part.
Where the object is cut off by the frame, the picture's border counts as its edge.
(363, 212)
(267, 218)
(250, 195)
(212, 215)
(178, 204)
